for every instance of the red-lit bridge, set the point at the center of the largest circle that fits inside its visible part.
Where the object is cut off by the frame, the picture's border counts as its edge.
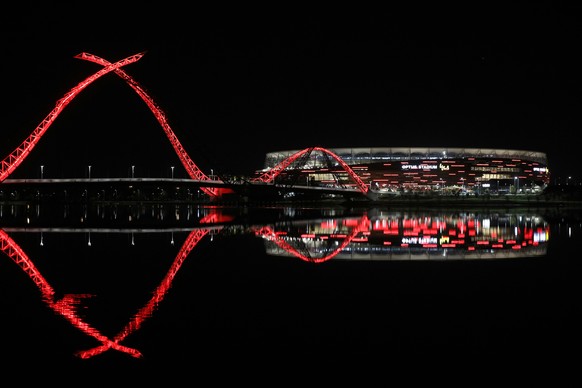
(263, 185)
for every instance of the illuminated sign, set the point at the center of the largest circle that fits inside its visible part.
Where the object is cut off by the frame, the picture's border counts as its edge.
(419, 166)
(419, 240)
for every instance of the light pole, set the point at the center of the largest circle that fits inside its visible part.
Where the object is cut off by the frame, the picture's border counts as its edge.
(89, 167)
(516, 179)
(172, 168)
(132, 171)
(41, 171)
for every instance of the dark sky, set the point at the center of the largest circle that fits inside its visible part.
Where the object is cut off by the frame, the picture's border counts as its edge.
(238, 83)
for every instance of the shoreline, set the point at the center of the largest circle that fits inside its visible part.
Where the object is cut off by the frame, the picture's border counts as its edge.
(403, 201)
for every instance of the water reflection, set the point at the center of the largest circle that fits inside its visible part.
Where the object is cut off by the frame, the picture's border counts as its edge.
(67, 306)
(386, 235)
(312, 235)
(124, 215)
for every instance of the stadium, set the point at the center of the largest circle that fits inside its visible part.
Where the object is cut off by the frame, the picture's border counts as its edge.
(446, 171)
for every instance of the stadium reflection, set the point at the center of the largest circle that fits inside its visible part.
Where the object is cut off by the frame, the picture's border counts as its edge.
(385, 235)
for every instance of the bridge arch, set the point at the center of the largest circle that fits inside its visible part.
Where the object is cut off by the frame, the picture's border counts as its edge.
(269, 176)
(16, 157)
(193, 170)
(12, 161)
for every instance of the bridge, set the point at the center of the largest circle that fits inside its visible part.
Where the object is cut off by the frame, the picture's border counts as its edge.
(166, 189)
(263, 186)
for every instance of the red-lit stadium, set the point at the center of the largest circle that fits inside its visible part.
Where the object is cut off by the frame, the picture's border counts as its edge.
(457, 171)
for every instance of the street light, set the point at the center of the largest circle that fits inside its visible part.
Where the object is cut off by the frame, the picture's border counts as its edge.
(172, 172)
(132, 171)
(41, 171)
(89, 166)
(516, 179)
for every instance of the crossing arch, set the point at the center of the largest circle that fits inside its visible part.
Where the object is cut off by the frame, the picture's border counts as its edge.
(193, 170)
(16, 157)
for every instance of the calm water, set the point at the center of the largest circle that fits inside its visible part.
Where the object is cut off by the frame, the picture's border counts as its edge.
(136, 286)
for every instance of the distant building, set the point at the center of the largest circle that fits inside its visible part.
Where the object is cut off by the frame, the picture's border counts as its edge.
(463, 171)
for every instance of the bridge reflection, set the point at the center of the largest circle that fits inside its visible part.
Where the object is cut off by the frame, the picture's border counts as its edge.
(311, 235)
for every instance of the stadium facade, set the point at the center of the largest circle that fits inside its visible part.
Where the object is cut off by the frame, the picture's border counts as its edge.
(458, 171)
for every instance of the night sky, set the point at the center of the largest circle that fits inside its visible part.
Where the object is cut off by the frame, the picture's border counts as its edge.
(238, 83)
